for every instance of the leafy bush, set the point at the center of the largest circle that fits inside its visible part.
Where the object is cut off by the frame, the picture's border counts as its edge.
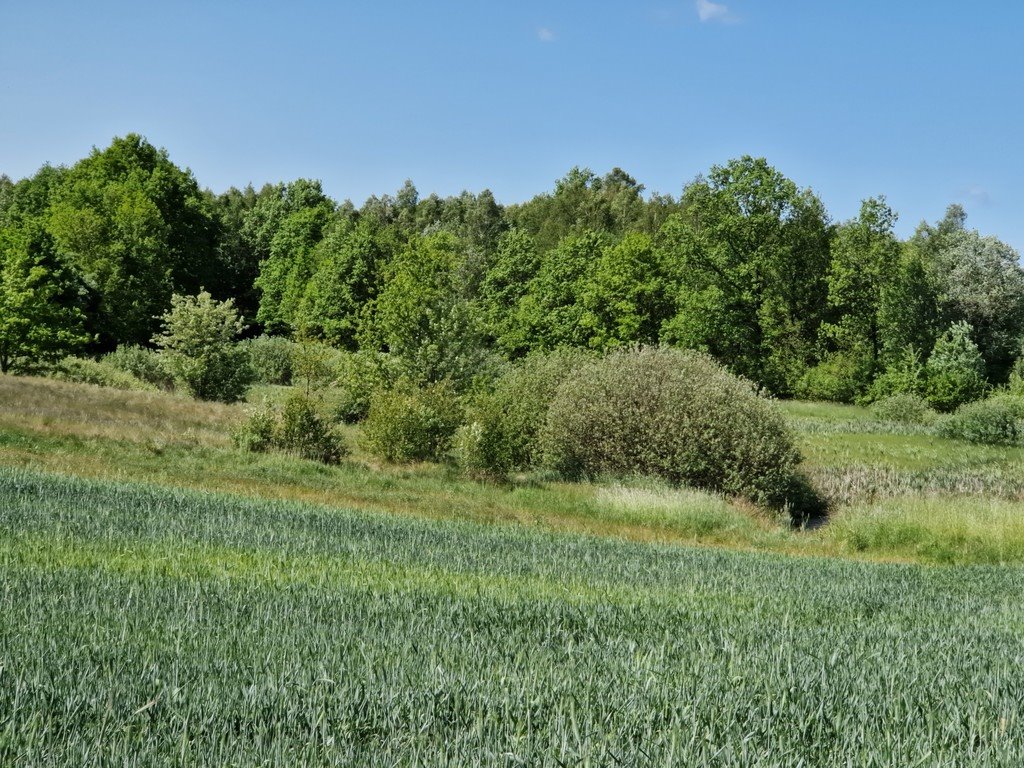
(840, 378)
(198, 342)
(503, 424)
(676, 415)
(1015, 385)
(305, 432)
(271, 358)
(142, 363)
(258, 433)
(300, 430)
(84, 370)
(904, 408)
(408, 423)
(906, 375)
(955, 370)
(357, 376)
(996, 421)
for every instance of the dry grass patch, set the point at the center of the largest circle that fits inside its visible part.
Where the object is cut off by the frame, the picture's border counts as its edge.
(57, 408)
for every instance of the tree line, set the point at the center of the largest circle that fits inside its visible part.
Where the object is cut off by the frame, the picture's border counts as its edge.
(743, 264)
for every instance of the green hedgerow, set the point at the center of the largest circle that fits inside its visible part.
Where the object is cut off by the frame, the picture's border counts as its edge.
(904, 408)
(85, 370)
(142, 363)
(998, 420)
(300, 429)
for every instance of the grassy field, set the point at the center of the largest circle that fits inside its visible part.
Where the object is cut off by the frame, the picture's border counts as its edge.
(149, 626)
(166, 599)
(899, 494)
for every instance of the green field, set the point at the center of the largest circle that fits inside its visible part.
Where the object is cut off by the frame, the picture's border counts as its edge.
(225, 608)
(147, 626)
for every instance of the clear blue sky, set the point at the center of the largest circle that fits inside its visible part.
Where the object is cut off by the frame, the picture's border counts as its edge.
(921, 102)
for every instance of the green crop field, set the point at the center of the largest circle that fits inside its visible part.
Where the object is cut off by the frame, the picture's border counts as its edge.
(145, 626)
(224, 608)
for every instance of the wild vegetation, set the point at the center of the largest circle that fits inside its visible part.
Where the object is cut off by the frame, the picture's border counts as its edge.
(286, 480)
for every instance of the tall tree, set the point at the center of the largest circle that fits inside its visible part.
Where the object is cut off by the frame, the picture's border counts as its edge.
(39, 317)
(748, 259)
(423, 317)
(865, 261)
(138, 228)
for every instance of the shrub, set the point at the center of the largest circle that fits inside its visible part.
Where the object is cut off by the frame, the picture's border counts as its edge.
(676, 415)
(904, 408)
(300, 430)
(271, 358)
(955, 370)
(996, 421)
(357, 376)
(142, 363)
(258, 432)
(305, 432)
(501, 433)
(408, 423)
(84, 370)
(840, 378)
(905, 375)
(198, 339)
(1015, 385)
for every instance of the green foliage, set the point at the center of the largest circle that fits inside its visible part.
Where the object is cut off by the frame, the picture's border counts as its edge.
(503, 288)
(285, 274)
(423, 318)
(955, 370)
(671, 414)
(84, 370)
(626, 296)
(38, 321)
(138, 229)
(300, 430)
(258, 433)
(907, 374)
(903, 408)
(409, 423)
(347, 277)
(551, 314)
(748, 259)
(357, 375)
(142, 363)
(1015, 384)
(865, 260)
(503, 424)
(198, 340)
(998, 420)
(841, 377)
(271, 358)
(983, 285)
(306, 433)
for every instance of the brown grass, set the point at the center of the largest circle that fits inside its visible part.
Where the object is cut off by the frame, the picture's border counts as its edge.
(58, 408)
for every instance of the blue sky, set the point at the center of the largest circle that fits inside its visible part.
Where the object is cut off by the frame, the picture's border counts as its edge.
(917, 101)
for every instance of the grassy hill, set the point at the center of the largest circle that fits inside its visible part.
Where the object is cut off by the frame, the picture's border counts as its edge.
(240, 609)
(900, 494)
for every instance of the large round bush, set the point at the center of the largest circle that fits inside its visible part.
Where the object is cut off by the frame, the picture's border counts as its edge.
(672, 414)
